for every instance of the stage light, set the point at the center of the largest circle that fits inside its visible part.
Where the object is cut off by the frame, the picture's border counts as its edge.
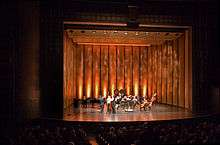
(80, 91)
(144, 90)
(126, 33)
(96, 90)
(136, 89)
(128, 90)
(88, 90)
(113, 88)
(105, 91)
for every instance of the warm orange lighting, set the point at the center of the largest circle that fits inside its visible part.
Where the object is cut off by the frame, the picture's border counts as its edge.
(136, 89)
(88, 90)
(112, 89)
(80, 91)
(96, 90)
(104, 91)
(144, 90)
(112, 44)
(128, 90)
(120, 86)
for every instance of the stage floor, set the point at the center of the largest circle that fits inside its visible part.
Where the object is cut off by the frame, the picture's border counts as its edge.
(158, 112)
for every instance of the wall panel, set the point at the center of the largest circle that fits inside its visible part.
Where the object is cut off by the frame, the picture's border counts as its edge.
(136, 70)
(149, 64)
(163, 65)
(96, 71)
(104, 69)
(79, 71)
(112, 68)
(128, 69)
(144, 67)
(182, 72)
(175, 73)
(88, 60)
(169, 73)
(120, 67)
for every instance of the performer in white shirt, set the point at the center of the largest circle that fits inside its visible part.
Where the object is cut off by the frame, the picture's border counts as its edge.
(108, 101)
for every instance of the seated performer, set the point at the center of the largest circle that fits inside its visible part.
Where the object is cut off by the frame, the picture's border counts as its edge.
(147, 104)
(113, 103)
(153, 98)
(102, 102)
(117, 102)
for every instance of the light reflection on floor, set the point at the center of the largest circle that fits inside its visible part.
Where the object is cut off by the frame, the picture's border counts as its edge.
(158, 112)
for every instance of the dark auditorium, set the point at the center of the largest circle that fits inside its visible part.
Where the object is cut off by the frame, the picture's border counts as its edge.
(110, 72)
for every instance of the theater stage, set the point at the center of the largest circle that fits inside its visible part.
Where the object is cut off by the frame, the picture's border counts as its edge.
(158, 112)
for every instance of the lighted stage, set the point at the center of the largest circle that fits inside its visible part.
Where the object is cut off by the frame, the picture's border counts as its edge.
(140, 62)
(158, 112)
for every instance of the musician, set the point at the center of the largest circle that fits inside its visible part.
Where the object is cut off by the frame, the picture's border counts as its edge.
(108, 101)
(102, 103)
(117, 101)
(134, 100)
(113, 102)
(153, 98)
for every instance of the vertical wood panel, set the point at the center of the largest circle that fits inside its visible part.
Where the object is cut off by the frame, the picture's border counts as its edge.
(88, 70)
(182, 72)
(163, 63)
(65, 69)
(150, 77)
(154, 72)
(186, 46)
(79, 69)
(128, 69)
(96, 70)
(169, 74)
(175, 73)
(156, 68)
(112, 68)
(120, 67)
(68, 71)
(136, 70)
(74, 71)
(159, 85)
(166, 70)
(144, 70)
(104, 69)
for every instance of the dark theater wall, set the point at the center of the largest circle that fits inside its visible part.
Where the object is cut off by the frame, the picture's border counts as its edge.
(27, 92)
(20, 97)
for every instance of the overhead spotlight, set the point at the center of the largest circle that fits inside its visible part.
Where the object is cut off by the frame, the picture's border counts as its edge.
(126, 33)
(115, 31)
